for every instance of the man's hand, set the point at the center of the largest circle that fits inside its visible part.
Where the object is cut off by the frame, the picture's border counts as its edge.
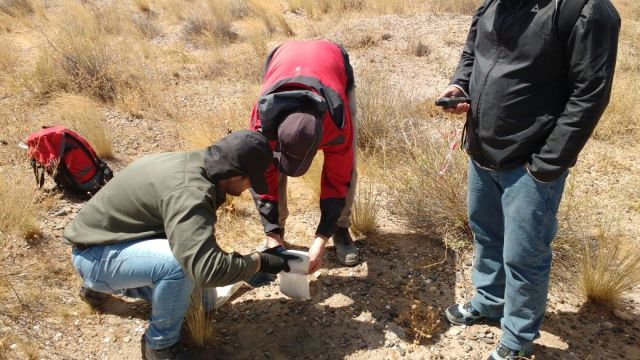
(316, 253)
(274, 260)
(453, 91)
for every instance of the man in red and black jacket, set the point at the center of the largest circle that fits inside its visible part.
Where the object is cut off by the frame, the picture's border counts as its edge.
(307, 104)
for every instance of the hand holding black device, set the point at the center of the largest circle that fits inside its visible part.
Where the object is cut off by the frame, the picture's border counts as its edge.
(452, 102)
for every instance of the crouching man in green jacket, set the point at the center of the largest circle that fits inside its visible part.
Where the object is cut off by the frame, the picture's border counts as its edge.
(149, 233)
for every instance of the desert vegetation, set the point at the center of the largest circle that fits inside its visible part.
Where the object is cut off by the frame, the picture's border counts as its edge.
(142, 76)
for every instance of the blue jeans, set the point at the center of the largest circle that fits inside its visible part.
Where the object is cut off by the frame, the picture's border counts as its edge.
(513, 219)
(144, 269)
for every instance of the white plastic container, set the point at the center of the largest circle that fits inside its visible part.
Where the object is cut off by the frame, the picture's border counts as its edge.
(214, 298)
(295, 284)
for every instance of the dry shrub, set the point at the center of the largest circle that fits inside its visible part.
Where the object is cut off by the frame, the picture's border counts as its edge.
(17, 8)
(366, 208)
(84, 58)
(198, 321)
(419, 49)
(84, 117)
(421, 322)
(271, 16)
(19, 209)
(211, 26)
(427, 186)
(464, 7)
(610, 267)
(381, 112)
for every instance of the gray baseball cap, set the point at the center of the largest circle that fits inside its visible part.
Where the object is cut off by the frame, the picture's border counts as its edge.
(299, 136)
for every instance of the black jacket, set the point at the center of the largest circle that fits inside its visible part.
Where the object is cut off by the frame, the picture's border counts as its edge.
(534, 99)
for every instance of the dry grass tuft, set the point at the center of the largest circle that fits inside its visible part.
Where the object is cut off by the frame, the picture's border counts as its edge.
(212, 26)
(198, 321)
(84, 117)
(84, 58)
(382, 110)
(419, 49)
(8, 55)
(428, 186)
(366, 208)
(17, 8)
(610, 267)
(271, 16)
(19, 209)
(464, 7)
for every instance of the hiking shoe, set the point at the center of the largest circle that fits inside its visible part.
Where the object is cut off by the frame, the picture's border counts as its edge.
(462, 314)
(346, 250)
(173, 352)
(504, 353)
(94, 298)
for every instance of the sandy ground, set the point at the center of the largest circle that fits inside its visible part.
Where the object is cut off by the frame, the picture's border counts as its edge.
(369, 311)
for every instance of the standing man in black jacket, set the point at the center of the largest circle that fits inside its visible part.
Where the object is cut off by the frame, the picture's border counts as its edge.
(536, 94)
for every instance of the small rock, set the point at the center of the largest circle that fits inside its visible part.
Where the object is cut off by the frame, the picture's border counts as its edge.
(396, 329)
(268, 355)
(269, 331)
(61, 212)
(363, 345)
(326, 282)
(454, 331)
(607, 325)
(386, 36)
(127, 339)
(488, 341)
(622, 315)
(468, 348)
(13, 346)
(106, 340)
(400, 350)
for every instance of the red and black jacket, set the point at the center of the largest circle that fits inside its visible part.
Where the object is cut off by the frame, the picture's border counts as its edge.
(314, 77)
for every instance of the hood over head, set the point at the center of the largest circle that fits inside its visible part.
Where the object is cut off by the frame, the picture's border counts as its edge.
(241, 153)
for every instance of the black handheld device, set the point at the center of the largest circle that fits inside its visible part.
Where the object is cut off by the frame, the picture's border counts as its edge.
(452, 102)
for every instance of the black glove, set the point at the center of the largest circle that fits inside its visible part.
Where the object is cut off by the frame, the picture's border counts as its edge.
(274, 260)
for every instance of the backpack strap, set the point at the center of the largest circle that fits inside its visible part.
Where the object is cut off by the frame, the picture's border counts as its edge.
(567, 15)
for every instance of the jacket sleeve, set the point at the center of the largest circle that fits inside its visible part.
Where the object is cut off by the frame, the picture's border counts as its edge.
(591, 57)
(189, 219)
(463, 72)
(337, 171)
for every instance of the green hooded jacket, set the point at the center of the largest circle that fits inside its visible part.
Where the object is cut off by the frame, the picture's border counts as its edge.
(167, 194)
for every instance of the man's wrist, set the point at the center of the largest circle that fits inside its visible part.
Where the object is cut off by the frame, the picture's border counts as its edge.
(321, 238)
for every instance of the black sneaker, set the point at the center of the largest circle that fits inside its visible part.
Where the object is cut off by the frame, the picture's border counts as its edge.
(173, 352)
(504, 353)
(95, 299)
(346, 250)
(462, 314)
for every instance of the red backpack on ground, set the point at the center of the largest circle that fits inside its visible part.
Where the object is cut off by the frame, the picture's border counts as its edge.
(69, 159)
